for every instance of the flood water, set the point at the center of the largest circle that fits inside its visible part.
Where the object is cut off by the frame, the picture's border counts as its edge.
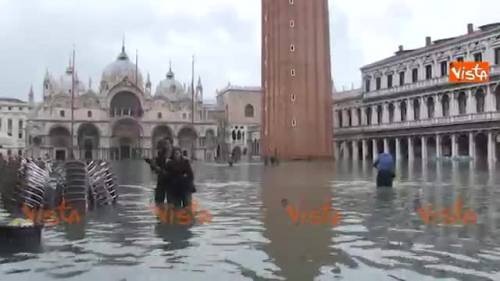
(251, 237)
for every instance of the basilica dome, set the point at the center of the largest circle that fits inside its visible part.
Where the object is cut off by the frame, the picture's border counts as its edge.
(171, 89)
(65, 83)
(122, 67)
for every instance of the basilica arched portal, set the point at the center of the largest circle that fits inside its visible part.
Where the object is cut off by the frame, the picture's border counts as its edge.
(161, 133)
(126, 140)
(187, 140)
(88, 141)
(60, 141)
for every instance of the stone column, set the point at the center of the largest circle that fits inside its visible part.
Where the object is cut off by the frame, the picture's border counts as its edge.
(423, 108)
(374, 115)
(364, 149)
(398, 149)
(385, 113)
(438, 108)
(489, 101)
(471, 101)
(438, 146)
(363, 117)
(397, 111)
(491, 148)
(453, 103)
(374, 149)
(454, 145)
(355, 153)
(344, 118)
(472, 146)
(409, 110)
(424, 147)
(354, 117)
(410, 149)
(386, 145)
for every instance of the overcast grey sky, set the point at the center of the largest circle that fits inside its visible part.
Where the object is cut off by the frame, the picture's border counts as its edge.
(223, 34)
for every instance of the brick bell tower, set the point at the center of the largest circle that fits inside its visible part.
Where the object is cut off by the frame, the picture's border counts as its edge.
(296, 80)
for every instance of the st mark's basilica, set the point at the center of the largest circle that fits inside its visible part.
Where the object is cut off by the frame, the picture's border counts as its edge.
(123, 119)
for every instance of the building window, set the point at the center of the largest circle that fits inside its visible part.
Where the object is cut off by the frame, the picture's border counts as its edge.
(159, 115)
(380, 111)
(369, 116)
(445, 103)
(430, 107)
(444, 68)
(460, 59)
(462, 103)
(20, 129)
(294, 123)
(10, 108)
(291, 2)
(349, 118)
(478, 57)
(414, 75)
(401, 78)
(61, 113)
(480, 101)
(391, 112)
(497, 56)
(358, 111)
(378, 82)
(339, 113)
(292, 23)
(183, 115)
(403, 111)
(389, 81)
(9, 127)
(292, 97)
(249, 111)
(20, 109)
(292, 48)
(292, 72)
(428, 72)
(416, 109)
(367, 85)
(89, 114)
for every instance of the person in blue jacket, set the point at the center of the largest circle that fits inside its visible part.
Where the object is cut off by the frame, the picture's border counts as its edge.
(385, 167)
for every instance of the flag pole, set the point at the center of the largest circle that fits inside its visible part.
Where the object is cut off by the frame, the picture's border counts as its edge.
(192, 92)
(72, 156)
(136, 66)
(192, 105)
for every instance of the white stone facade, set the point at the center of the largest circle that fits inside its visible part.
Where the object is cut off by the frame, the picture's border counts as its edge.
(242, 120)
(123, 119)
(13, 121)
(407, 106)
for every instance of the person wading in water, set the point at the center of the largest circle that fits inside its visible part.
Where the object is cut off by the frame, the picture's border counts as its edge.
(385, 167)
(180, 180)
(159, 165)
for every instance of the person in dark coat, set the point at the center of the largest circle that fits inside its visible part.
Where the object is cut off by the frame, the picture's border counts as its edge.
(180, 180)
(385, 167)
(159, 165)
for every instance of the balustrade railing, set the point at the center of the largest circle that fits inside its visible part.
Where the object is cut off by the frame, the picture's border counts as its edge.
(408, 87)
(438, 121)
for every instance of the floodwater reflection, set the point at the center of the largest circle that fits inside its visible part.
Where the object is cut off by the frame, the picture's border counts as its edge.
(251, 236)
